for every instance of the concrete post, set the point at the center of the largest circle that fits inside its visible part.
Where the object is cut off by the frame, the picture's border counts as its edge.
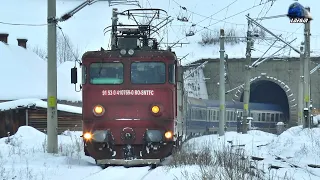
(246, 92)
(222, 90)
(52, 119)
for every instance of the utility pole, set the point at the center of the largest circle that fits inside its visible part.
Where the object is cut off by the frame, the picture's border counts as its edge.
(307, 73)
(52, 119)
(222, 89)
(246, 93)
(114, 27)
(301, 84)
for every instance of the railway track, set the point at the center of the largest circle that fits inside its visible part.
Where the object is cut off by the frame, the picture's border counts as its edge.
(120, 172)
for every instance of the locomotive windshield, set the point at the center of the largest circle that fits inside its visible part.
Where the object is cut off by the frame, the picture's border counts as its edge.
(148, 73)
(106, 73)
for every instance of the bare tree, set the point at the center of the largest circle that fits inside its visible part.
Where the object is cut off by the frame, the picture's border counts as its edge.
(65, 49)
(41, 52)
(212, 37)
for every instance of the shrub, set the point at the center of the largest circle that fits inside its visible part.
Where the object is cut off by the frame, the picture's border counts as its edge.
(222, 163)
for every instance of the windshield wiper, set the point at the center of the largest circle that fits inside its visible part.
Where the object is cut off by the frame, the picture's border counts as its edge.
(100, 68)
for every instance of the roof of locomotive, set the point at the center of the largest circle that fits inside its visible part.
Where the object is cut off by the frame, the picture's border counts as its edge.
(137, 53)
(230, 104)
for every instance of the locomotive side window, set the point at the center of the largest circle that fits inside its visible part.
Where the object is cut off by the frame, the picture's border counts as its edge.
(148, 73)
(172, 73)
(106, 73)
(84, 74)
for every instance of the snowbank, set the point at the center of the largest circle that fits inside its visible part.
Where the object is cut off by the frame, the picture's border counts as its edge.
(22, 157)
(294, 147)
(302, 145)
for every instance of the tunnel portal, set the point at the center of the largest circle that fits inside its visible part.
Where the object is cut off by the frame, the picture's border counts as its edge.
(266, 91)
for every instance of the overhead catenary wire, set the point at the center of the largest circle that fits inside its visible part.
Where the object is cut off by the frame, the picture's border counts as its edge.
(221, 20)
(207, 17)
(21, 24)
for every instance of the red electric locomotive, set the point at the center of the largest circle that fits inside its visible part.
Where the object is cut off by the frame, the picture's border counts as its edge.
(132, 98)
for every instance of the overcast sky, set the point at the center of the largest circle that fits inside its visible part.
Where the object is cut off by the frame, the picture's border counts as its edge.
(86, 28)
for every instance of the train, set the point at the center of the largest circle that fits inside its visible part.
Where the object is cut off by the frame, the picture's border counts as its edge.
(130, 95)
(134, 110)
(202, 116)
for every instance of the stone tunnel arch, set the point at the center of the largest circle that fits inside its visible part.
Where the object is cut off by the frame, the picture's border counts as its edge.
(265, 85)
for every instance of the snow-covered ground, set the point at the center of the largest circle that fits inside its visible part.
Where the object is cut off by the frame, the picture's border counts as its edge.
(23, 156)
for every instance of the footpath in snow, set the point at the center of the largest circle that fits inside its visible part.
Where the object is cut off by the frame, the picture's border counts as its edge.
(23, 157)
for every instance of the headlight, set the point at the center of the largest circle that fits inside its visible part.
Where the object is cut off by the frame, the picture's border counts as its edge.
(168, 134)
(98, 110)
(155, 109)
(87, 136)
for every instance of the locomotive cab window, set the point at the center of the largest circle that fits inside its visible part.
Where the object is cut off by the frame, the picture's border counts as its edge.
(172, 73)
(106, 73)
(148, 73)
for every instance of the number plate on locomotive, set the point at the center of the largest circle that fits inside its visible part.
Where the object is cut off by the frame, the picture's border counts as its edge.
(127, 92)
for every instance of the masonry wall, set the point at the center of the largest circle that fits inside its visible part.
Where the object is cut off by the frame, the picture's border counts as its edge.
(284, 70)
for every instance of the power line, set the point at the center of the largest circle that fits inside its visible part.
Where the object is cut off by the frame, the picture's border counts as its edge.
(207, 17)
(225, 19)
(21, 24)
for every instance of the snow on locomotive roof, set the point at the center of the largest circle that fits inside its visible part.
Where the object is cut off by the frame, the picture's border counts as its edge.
(25, 76)
(38, 103)
(230, 104)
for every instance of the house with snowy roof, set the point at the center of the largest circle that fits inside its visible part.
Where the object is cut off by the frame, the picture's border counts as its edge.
(23, 91)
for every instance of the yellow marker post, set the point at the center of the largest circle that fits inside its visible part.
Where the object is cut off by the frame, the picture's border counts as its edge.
(52, 101)
(245, 107)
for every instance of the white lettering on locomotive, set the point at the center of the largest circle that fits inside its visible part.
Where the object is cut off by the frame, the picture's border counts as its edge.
(127, 92)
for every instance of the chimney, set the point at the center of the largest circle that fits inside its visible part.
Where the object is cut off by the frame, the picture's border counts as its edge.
(22, 42)
(4, 37)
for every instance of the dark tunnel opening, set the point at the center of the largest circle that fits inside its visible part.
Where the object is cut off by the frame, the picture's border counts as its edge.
(265, 91)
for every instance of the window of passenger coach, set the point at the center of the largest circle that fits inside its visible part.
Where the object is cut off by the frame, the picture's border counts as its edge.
(172, 73)
(148, 73)
(106, 73)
